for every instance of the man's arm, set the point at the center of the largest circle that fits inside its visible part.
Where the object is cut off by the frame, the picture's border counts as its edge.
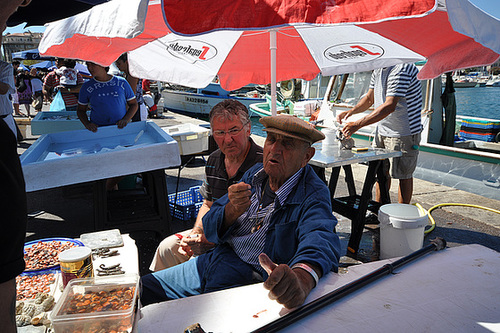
(378, 114)
(132, 109)
(4, 88)
(81, 112)
(196, 243)
(364, 103)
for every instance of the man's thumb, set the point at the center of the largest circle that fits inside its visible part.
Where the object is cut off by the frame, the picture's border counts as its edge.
(267, 263)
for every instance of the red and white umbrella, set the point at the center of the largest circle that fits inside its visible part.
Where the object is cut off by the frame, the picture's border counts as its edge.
(261, 42)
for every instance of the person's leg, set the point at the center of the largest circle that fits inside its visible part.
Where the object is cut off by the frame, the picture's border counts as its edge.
(382, 142)
(27, 106)
(8, 306)
(405, 190)
(175, 282)
(404, 166)
(15, 103)
(167, 253)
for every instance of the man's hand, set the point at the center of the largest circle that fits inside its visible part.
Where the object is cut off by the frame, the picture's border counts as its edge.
(350, 128)
(239, 201)
(122, 123)
(195, 243)
(286, 286)
(91, 127)
(343, 115)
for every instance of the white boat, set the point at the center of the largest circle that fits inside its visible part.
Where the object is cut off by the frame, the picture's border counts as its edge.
(471, 164)
(493, 82)
(199, 102)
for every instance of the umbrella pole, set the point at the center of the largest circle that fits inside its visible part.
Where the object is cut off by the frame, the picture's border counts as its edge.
(272, 49)
(305, 310)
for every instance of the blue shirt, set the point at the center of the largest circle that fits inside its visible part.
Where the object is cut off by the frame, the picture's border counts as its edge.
(108, 100)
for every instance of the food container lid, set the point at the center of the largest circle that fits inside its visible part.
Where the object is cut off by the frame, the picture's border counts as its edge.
(75, 254)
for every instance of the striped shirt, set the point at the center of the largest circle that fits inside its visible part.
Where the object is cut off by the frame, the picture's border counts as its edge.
(400, 81)
(247, 244)
(52, 80)
(216, 179)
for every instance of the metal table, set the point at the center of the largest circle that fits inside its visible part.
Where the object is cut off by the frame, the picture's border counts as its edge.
(354, 206)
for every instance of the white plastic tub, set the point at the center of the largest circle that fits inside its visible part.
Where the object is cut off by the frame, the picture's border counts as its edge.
(401, 229)
(191, 138)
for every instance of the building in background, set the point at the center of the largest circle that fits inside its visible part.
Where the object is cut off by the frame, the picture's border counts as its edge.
(16, 42)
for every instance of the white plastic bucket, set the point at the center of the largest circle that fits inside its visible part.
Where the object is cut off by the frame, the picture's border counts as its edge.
(401, 229)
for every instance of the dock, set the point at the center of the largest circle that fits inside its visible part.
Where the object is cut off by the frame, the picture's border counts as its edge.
(68, 211)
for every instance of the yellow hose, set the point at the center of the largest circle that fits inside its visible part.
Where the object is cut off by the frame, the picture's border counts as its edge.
(433, 222)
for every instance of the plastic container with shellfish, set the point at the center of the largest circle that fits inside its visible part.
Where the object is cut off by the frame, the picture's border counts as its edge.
(97, 304)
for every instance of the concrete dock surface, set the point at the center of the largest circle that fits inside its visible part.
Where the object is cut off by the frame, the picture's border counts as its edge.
(68, 211)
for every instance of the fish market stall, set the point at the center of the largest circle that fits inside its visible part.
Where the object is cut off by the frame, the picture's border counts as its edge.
(55, 121)
(75, 157)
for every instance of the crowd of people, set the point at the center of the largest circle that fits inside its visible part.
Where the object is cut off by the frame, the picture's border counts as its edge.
(60, 85)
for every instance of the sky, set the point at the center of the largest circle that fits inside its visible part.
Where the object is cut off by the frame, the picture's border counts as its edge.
(490, 6)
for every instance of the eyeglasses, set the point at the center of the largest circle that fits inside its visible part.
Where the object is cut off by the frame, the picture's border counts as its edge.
(231, 132)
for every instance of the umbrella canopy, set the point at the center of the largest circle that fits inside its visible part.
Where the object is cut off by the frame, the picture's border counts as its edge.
(234, 39)
(328, 44)
(32, 54)
(44, 64)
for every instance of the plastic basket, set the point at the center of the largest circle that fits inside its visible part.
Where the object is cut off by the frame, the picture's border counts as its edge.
(195, 192)
(187, 205)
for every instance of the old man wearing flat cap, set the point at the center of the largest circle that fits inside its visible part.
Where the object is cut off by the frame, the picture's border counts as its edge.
(276, 225)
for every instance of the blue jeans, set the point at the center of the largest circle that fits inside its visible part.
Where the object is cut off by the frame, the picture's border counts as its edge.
(216, 270)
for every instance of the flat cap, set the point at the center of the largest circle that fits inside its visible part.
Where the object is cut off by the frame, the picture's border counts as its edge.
(292, 127)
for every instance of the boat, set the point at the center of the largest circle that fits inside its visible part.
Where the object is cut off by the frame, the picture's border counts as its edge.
(494, 81)
(198, 102)
(470, 163)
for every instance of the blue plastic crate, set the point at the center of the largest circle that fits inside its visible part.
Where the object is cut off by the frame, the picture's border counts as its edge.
(197, 207)
(184, 207)
(195, 192)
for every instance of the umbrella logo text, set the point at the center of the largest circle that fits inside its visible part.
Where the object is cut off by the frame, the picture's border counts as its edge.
(191, 50)
(353, 52)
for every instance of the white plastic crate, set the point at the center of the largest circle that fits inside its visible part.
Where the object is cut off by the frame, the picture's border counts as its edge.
(191, 138)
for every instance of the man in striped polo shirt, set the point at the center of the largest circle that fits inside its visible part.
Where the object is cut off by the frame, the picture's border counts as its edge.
(396, 94)
(231, 128)
(276, 225)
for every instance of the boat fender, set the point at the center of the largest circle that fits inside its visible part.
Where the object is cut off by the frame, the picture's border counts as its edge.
(415, 147)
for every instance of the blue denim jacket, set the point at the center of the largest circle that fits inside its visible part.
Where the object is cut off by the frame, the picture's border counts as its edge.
(301, 230)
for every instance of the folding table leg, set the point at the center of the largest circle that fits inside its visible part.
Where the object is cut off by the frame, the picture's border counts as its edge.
(358, 223)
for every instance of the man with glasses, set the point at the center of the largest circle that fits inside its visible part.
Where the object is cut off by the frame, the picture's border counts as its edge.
(237, 152)
(276, 225)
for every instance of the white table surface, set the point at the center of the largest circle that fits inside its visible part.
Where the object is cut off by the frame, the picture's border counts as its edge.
(454, 290)
(335, 157)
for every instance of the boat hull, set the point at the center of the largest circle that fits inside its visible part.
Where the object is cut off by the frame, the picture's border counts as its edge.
(463, 169)
(194, 104)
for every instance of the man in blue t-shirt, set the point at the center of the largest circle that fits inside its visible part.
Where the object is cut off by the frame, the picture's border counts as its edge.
(112, 100)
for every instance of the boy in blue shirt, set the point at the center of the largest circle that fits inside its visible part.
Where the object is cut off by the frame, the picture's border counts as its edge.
(111, 100)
